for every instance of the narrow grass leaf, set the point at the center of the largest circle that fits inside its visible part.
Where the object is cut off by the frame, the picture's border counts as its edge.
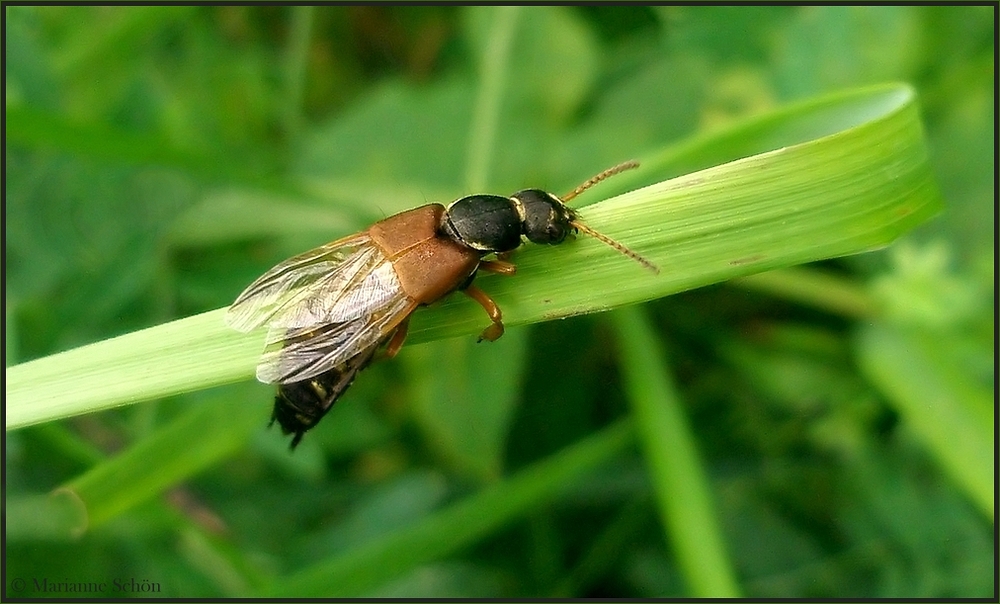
(682, 488)
(196, 440)
(142, 365)
(360, 570)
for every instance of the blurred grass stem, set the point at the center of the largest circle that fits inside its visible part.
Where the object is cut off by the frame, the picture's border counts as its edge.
(493, 68)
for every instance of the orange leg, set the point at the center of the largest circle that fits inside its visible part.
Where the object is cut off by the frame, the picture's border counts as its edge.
(500, 267)
(397, 339)
(495, 330)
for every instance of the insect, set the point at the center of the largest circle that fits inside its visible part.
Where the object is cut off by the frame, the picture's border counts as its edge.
(330, 309)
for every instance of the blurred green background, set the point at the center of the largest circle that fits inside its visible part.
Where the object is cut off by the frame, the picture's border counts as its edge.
(160, 158)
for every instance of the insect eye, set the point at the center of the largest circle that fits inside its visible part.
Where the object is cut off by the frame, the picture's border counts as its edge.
(556, 232)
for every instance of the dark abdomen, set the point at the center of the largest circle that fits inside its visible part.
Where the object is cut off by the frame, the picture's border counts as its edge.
(300, 405)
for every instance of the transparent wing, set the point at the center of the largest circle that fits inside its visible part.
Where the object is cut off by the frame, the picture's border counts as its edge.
(293, 355)
(322, 308)
(335, 283)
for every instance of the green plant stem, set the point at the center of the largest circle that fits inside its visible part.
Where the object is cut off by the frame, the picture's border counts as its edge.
(682, 489)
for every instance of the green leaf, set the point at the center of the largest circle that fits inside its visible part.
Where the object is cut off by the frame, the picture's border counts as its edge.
(860, 183)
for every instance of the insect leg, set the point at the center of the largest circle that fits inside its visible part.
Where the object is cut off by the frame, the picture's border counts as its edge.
(500, 267)
(397, 339)
(495, 330)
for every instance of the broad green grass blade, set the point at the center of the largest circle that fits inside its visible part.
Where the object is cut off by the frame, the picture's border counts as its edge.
(355, 572)
(682, 489)
(954, 417)
(864, 181)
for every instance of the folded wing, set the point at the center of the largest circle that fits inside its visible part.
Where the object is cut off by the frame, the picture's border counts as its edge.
(322, 308)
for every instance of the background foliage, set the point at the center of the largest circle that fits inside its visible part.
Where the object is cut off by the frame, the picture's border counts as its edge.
(159, 158)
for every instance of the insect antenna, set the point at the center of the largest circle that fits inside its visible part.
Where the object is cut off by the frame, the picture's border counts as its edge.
(618, 246)
(628, 165)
